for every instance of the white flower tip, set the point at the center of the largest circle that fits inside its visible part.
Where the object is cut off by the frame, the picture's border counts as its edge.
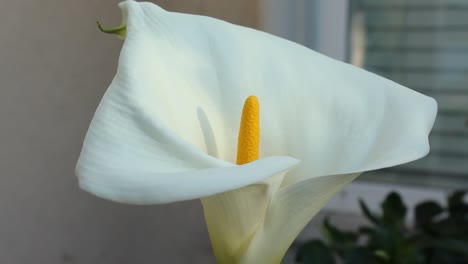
(432, 109)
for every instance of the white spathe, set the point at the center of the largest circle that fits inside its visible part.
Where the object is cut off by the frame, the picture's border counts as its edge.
(166, 129)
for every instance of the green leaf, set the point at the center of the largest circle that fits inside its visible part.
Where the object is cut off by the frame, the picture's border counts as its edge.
(426, 211)
(360, 255)
(382, 255)
(456, 198)
(454, 246)
(411, 256)
(367, 213)
(315, 252)
(454, 226)
(457, 207)
(394, 211)
(366, 230)
(419, 241)
(387, 238)
(444, 256)
(336, 235)
(340, 240)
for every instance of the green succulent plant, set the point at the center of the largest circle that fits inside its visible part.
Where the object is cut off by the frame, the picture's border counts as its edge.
(439, 235)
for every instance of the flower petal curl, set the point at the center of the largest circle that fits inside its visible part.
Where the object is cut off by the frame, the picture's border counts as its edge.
(336, 118)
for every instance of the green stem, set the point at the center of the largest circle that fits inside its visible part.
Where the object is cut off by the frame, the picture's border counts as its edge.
(121, 30)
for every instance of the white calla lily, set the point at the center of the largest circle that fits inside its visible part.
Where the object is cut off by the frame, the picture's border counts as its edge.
(166, 129)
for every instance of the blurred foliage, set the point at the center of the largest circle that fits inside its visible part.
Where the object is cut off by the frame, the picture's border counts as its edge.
(439, 235)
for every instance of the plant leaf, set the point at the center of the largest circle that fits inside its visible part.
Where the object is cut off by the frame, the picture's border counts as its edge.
(387, 238)
(342, 241)
(457, 207)
(360, 255)
(367, 213)
(394, 210)
(315, 252)
(381, 254)
(426, 211)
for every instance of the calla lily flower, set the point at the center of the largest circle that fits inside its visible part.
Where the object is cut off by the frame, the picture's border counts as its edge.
(167, 128)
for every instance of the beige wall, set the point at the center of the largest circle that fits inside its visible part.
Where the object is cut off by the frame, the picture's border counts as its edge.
(54, 67)
(242, 12)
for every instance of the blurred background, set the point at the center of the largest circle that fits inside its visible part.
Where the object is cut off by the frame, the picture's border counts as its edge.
(55, 65)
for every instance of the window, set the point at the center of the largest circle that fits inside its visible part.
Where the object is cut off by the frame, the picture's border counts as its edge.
(422, 44)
